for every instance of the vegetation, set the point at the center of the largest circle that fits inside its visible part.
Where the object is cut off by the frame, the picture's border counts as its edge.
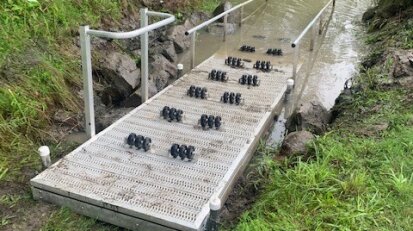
(39, 76)
(361, 173)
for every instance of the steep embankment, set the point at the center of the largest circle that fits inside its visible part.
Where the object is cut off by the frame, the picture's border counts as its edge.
(41, 90)
(358, 175)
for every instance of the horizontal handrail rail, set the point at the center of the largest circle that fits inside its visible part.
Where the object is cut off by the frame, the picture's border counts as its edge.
(131, 34)
(85, 45)
(206, 23)
(297, 41)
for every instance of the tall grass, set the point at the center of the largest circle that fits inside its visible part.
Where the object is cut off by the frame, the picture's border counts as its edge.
(355, 182)
(40, 72)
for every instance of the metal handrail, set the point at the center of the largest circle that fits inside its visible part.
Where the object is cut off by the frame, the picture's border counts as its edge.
(131, 34)
(206, 23)
(310, 26)
(86, 33)
(224, 14)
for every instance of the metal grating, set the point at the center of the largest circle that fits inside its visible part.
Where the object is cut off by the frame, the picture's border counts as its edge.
(152, 186)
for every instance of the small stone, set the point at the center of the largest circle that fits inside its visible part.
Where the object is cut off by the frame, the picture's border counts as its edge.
(295, 143)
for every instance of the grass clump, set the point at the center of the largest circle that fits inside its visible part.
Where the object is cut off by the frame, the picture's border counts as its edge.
(356, 181)
(361, 173)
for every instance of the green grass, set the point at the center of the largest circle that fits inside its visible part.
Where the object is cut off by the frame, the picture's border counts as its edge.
(361, 173)
(354, 182)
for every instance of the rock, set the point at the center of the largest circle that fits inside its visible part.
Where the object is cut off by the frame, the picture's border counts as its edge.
(168, 51)
(311, 116)
(161, 63)
(369, 14)
(120, 71)
(233, 17)
(218, 28)
(180, 40)
(195, 19)
(296, 143)
(402, 63)
(161, 79)
(108, 116)
(111, 96)
(135, 99)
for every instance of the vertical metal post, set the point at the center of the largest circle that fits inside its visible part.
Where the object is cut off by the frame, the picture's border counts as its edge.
(144, 55)
(213, 221)
(241, 13)
(87, 81)
(193, 52)
(320, 25)
(334, 3)
(312, 41)
(225, 26)
(295, 62)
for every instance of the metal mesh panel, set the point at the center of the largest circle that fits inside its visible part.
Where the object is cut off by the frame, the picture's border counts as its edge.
(153, 185)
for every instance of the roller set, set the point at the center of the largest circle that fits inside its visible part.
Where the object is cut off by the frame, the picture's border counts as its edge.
(234, 62)
(160, 165)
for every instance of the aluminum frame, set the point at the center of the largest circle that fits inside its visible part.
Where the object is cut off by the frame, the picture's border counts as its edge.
(311, 26)
(193, 32)
(85, 35)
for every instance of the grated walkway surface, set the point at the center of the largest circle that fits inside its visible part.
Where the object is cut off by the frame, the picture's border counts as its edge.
(107, 180)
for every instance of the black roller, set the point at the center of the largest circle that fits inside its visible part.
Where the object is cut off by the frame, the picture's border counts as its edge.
(179, 115)
(131, 139)
(147, 144)
(182, 151)
(217, 122)
(204, 121)
(175, 150)
(225, 97)
(191, 91)
(211, 121)
(255, 81)
(232, 98)
(139, 142)
(249, 80)
(190, 152)
(204, 93)
(238, 98)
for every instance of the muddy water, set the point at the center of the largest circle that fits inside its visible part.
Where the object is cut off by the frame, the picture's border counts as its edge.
(276, 24)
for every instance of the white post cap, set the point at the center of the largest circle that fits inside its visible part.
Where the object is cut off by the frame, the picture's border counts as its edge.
(180, 66)
(44, 151)
(215, 204)
(290, 82)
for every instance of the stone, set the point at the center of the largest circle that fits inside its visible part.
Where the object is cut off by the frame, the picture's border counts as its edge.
(233, 17)
(161, 79)
(120, 71)
(218, 28)
(295, 144)
(168, 51)
(311, 116)
(135, 99)
(402, 63)
(180, 40)
(195, 19)
(369, 14)
(160, 62)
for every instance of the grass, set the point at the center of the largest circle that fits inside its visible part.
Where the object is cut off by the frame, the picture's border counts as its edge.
(40, 75)
(361, 173)
(357, 180)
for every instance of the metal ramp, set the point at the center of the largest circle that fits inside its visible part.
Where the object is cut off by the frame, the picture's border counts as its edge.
(107, 180)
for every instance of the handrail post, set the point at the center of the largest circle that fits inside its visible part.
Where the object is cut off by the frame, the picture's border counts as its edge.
(296, 56)
(312, 41)
(87, 81)
(225, 27)
(241, 13)
(144, 55)
(320, 25)
(193, 52)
